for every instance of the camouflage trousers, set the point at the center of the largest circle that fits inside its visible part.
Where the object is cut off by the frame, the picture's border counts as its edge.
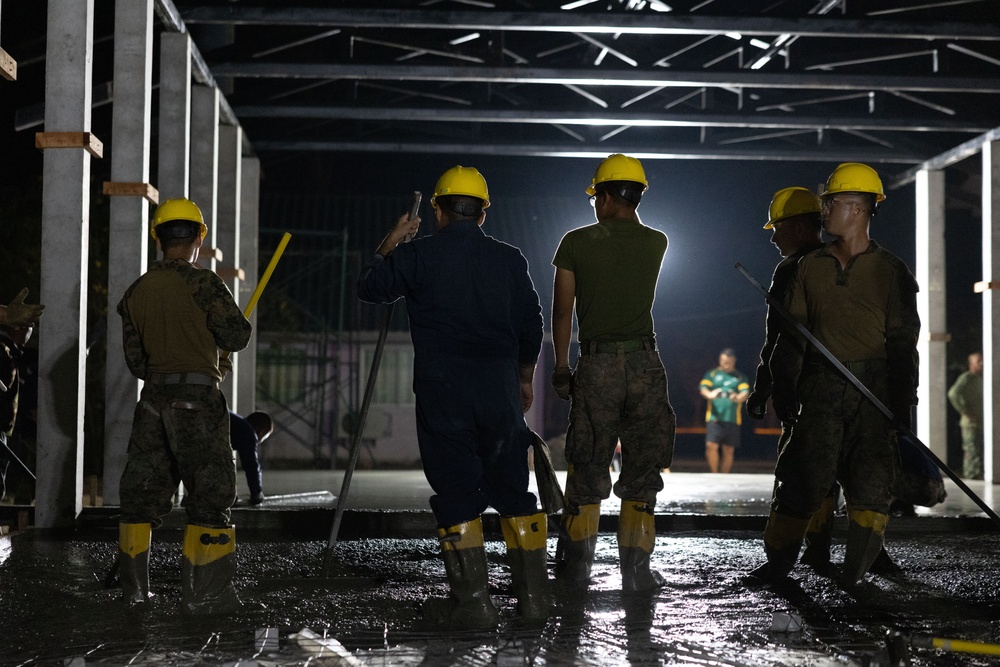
(972, 451)
(618, 396)
(840, 436)
(180, 432)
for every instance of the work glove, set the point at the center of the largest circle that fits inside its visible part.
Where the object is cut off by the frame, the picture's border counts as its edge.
(757, 405)
(786, 406)
(17, 313)
(562, 381)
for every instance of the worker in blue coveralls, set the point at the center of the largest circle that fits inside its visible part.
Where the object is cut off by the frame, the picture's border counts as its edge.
(476, 327)
(246, 434)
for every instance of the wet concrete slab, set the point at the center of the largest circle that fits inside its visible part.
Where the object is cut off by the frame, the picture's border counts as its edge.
(55, 608)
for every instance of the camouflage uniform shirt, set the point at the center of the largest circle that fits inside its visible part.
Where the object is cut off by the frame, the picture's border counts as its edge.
(175, 319)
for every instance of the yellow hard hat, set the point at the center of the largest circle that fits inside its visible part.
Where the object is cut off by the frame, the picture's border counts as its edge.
(789, 202)
(178, 209)
(854, 177)
(618, 167)
(461, 180)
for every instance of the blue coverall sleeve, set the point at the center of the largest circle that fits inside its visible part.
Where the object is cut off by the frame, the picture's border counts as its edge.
(386, 279)
(529, 327)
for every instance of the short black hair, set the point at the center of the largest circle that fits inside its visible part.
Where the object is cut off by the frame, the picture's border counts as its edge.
(461, 206)
(176, 233)
(729, 352)
(630, 191)
(867, 199)
(261, 423)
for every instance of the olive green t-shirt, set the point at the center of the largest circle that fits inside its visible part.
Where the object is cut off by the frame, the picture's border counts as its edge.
(615, 264)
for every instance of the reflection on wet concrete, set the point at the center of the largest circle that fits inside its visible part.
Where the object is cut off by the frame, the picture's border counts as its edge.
(55, 609)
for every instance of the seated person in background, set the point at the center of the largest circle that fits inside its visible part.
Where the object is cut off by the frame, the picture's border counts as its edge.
(245, 434)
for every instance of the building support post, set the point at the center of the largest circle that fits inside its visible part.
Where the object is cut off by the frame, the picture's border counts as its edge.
(128, 250)
(246, 392)
(62, 352)
(204, 185)
(228, 235)
(932, 407)
(991, 307)
(174, 141)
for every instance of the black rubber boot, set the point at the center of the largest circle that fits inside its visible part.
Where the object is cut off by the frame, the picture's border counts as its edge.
(884, 565)
(636, 539)
(819, 535)
(864, 543)
(525, 537)
(207, 571)
(783, 539)
(578, 543)
(133, 560)
(469, 605)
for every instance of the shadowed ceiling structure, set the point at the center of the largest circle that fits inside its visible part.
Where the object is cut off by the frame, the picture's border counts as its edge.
(882, 82)
(889, 82)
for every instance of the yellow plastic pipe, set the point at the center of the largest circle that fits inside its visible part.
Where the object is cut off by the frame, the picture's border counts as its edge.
(961, 646)
(954, 645)
(285, 238)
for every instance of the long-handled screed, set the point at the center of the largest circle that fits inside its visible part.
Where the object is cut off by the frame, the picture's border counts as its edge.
(850, 377)
(359, 427)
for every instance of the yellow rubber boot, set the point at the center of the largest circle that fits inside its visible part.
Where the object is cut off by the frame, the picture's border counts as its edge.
(208, 569)
(525, 537)
(865, 530)
(636, 539)
(464, 555)
(133, 560)
(578, 543)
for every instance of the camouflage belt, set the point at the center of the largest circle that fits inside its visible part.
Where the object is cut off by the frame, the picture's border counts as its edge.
(182, 378)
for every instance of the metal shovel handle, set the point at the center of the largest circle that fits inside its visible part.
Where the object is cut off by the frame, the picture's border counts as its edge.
(345, 486)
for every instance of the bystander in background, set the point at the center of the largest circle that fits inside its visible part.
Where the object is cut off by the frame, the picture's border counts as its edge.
(725, 388)
(966, 396)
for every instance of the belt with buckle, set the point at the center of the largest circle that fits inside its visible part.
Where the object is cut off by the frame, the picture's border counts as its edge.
(182, 378)
(616, 346)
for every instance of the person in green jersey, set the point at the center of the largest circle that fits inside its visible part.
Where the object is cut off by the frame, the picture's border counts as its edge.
(725, 389)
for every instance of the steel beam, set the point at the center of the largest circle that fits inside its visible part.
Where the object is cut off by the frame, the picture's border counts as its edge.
(592, 151)
(651, 78)
(635, 23)
(613, 119)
